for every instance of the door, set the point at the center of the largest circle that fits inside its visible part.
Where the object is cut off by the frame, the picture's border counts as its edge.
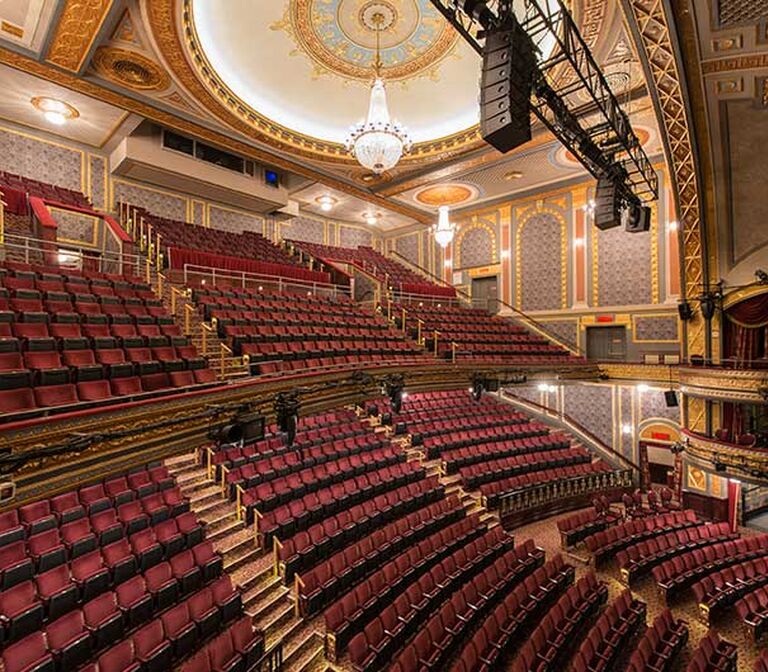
(607, 343)
(485, 293)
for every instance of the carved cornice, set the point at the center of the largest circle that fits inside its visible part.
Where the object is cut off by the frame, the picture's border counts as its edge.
(742, 294)
(641, 373)
(76, 31)
(724, 384)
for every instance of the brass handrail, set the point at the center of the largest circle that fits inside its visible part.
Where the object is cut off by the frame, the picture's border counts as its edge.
(435, 335)
(2, 221)
(205, 330)
(224, 351)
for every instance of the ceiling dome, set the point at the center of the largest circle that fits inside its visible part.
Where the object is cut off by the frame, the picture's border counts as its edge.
(304, 67)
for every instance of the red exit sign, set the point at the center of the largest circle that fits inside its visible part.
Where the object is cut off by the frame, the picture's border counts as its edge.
(605, 318)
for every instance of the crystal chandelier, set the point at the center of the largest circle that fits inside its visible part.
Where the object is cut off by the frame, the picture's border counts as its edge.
(379, 143)
(444, 229)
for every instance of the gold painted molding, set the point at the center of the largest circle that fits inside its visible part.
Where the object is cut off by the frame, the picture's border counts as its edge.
(723, 384)
(738, 461)
(76, 31)
(641, 373)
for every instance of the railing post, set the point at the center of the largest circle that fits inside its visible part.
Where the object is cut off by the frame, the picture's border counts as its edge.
(187, 319)
(435, 334)
(453, 352)
(420, 324)
(2, 221)
(404, 317)
(205, 338)
(389, 309)
(174, 294)
(159, 253)
(149, 272)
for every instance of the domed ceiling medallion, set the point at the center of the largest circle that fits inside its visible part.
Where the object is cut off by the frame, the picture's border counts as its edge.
(340, 36)
(130, 68)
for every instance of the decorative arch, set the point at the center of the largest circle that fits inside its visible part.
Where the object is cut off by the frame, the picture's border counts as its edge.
(646, 429)
(475, 225)
(528, 215)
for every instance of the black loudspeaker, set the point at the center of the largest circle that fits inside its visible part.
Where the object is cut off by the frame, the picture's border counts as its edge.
(684, 310)
(509, 65)
(636, 218)
(607, 204)
(670, 396)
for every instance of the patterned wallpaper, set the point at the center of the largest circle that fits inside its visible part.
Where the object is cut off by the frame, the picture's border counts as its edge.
(364, 287)
(160, 203)
(98, 180)
(650, 328)
(653, 405)
(351, 236)
(531, 393)
(626, 441)
(408, 246)
(541, 263)
(622, 279)
(590, 406)
(476, 248)
(303, 228)
(41, 160)
(568, 330)
(75, 226)
(233, 220)
(198, 213)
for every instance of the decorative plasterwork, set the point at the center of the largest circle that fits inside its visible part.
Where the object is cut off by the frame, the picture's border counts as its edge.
(661, 65)
(77, 28)
(725, 384)
(229, 105)
(130, 68)
(337, 36)
(738, 461)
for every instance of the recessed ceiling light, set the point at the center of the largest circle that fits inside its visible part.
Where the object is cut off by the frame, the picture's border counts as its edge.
(55, 111)
(326, 202)
(513, 175)
(372, 218)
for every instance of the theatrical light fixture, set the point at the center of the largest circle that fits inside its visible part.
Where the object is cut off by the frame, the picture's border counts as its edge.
(578, 242)
(372, 218)
(626, 428)
(55, 111)
(642, 387)
(326, 202)
(378, 144)
(761, 276)
(445, 229)
(708, 305)
(672, 226)
(513, 175)
(589, 207)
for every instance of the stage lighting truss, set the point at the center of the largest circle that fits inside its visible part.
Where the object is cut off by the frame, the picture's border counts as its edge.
(598, 133)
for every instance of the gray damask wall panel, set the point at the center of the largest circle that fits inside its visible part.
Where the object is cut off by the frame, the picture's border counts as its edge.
(351, 236)
(568, 330)
(624, 267)
(653, 405)
(408, 246)
(98, 177)
(41, 160)
(159, 203)
(305, 229)
(540, 257)
(476, 248)
(649, 328)
(591, 407)
(232, 220)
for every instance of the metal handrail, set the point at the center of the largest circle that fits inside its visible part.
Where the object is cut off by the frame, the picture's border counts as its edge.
(243, 277)
(519, 314)
(568, 420)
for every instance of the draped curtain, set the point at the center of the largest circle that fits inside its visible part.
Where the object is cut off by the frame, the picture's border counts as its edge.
(746, 330)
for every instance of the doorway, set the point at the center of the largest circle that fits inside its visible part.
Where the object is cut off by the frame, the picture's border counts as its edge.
(607, 343)
(485, 293)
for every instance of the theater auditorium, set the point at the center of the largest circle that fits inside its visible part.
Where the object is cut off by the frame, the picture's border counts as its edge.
(383, 336)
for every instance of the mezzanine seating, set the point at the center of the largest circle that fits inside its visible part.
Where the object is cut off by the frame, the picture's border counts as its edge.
(17, 189)
(69, 337)
(583, 524)
(239, 647)
(724, 587)
(658, 647)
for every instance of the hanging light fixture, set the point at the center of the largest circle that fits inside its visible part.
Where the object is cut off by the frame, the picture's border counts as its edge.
(379, 143)
(444, 229)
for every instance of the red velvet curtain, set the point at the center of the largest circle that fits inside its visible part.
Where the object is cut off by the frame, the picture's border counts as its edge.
(746, 330)
(733, 419)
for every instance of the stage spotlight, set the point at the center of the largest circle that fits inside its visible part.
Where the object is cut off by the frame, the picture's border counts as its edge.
(685, 311)
(708, 305)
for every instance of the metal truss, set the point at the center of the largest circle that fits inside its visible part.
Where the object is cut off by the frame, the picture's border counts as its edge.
(571, 96)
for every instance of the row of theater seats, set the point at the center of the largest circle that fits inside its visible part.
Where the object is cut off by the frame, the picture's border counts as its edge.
(608, 542)
(300, 330)
(724, 587)
(16, 188)
(680, 572)
(658, 502)
(116, 576)
(247, 244)
(96, 391)
(583, 524)
(659, 645)
(400, 278)
(478, 335)
(69, 336)
(712, 654)
(512, 617)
